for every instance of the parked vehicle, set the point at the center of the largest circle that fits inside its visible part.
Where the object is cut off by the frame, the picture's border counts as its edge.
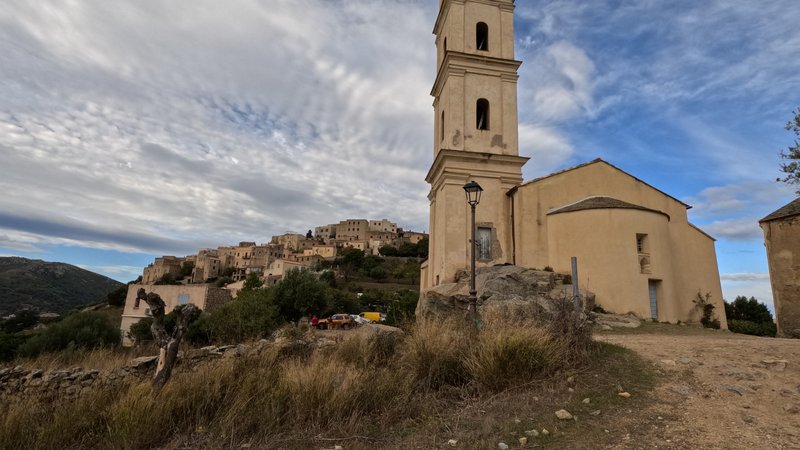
(336, 321)
(373, 316)
(360, 320)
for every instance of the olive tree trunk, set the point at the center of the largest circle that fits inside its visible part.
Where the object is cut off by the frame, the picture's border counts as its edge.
(168, 344)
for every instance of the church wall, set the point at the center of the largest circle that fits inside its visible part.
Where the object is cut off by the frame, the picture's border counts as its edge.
(782, 239)
(696, 269)
(604, 241)
(691, 253)
(537, 198)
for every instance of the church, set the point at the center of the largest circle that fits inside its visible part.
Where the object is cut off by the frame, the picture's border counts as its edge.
(636, 250)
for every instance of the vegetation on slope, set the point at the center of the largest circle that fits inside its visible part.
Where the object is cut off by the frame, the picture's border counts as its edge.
(437, 381)
(49, 286)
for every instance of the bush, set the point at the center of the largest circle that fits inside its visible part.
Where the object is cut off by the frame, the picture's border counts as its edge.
(9, 345)
(753, 328)
(117, 296)
(22, 320)
(300, 294)
(748, 310)
(504, 356)
(408, 249)
(402, 307)
(377, 273)
(222, 281)
(707, 310)
(435, 353)
(141, 332)
(84, 330)
(388, 250)
(251, 315)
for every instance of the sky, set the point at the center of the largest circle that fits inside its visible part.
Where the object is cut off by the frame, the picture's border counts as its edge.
(133, 129)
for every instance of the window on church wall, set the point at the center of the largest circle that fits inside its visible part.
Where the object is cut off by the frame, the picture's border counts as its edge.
(441, 127)
(483, 242)
(482, 36)
(482, 114)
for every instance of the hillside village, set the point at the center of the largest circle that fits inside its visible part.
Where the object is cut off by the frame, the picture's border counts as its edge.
(281, 254)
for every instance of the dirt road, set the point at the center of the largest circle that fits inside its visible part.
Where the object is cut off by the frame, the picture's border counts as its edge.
(719, 390)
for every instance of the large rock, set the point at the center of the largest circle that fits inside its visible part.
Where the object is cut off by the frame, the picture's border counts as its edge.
(616, 320)
(505, 291)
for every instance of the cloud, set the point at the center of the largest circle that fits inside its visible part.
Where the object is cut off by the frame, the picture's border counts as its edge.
(546, 146)
(558, 84)
(747, 276)
(761, 196)
(147, 134)
(739, 229)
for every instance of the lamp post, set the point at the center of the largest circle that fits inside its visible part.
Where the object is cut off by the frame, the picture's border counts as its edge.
(473, 191)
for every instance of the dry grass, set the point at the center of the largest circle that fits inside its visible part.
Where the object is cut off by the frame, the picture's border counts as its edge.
(380, 390)
(100, 359)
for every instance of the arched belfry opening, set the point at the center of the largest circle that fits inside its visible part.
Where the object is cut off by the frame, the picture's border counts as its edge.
(482, 36)
(482, 114)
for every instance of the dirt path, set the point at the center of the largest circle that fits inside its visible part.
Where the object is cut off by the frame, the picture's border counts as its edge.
(719, 390)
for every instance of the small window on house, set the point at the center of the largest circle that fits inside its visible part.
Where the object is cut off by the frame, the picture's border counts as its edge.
(482, 36)
(183, 299)
(641, 243)
(484, 243)
(482, 114)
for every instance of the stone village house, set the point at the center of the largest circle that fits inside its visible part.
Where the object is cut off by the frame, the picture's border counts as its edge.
(782, 240)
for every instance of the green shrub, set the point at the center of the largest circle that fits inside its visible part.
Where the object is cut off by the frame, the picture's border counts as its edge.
(547, 269)
(117, 296)
(9, 345)
(753, 328)
(251, 315)
(300, 294)
(567, 279)
(84, 330)
(707, 319)
(750, 310)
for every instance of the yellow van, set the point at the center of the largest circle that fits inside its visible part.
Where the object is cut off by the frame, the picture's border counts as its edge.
(371, 316)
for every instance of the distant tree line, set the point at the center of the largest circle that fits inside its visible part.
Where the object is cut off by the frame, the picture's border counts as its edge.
(749, 316)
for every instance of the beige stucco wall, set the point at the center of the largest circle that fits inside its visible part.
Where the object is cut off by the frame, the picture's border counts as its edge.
(691, 266)
(782, 241)
(205, 297)
(604, 241)
(449, 245)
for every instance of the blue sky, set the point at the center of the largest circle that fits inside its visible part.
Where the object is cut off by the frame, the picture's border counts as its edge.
(134, 129)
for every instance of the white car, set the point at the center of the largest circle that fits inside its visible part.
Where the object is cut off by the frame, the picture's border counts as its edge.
(359, 320)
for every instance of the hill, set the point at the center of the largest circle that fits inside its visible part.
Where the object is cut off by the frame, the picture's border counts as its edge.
(49, 286)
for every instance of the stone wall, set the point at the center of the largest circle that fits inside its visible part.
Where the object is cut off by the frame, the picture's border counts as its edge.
(782, 239)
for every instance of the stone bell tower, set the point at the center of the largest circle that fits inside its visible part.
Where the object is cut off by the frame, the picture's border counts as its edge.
(475, 136)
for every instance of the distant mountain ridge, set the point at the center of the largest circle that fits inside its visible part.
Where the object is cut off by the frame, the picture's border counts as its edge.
(49, 286)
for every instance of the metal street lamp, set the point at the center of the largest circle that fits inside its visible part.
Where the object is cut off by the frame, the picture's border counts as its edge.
(473, 191)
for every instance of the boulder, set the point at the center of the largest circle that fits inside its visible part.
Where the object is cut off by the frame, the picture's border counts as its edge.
(616, 320)
(504, 291)
(143, 363)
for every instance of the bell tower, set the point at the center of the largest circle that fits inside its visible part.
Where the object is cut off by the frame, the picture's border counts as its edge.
(475, 136)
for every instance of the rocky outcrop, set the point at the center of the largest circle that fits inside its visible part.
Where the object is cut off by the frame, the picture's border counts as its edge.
(505, 291)
(608, 321)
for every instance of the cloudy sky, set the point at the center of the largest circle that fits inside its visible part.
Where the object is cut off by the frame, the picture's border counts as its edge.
(130, 129)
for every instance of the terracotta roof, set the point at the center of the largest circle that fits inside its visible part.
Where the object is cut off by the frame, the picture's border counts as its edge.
(789, 210)
(599, 202)
(595, 161)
